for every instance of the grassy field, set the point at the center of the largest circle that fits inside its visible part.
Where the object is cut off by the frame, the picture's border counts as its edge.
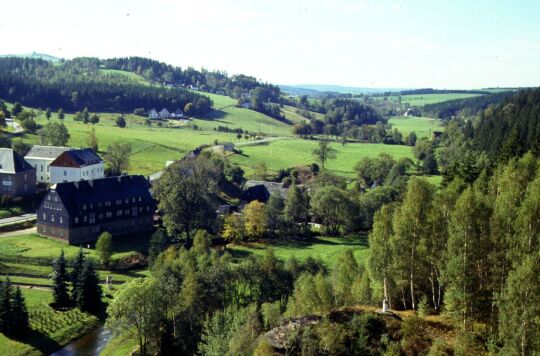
(294, 152)
(422, 126)
(130, 75)
(291, 114)
(50, 329)
(325, 248)
(424, 99)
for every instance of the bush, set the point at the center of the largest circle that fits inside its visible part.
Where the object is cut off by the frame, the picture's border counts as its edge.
(424, 309)
(5, 214)
(17, 210)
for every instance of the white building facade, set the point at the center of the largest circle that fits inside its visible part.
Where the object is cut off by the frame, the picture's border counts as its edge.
(77, 165)
(41, 157)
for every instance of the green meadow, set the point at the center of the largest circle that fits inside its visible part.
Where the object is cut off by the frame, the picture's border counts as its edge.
(325, 248)
(294, 152)
(422, 126)
(424, 99)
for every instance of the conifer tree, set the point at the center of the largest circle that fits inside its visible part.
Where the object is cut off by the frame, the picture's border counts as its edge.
(6, 315)
(89, 290)
(20, 314)
(60, 279)
(78, 265)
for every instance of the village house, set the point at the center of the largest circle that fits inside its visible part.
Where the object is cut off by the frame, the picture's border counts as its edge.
(18, 177)
(77, 165)
(164, 114)
(78, 212)
(153, 115)
(40, 157)
(262, 190)
(224, 147)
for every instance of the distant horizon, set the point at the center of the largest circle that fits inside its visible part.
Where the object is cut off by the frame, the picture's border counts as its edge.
(296, 85)
(356, 43)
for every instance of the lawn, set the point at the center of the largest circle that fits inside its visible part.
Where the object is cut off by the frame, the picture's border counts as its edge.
(290, 153)
(291, 114)
(325, 248)
(35, 246)
(422, 126)
(50, 329)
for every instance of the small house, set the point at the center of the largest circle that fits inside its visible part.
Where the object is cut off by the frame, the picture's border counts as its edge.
(164, 114)
(77, 165)
(262, 190)
(41, 157)
(18, 177)
(153, 115)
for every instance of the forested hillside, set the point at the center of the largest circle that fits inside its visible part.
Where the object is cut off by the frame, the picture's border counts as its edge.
(78, 83)
(468, 107)
(512, 127)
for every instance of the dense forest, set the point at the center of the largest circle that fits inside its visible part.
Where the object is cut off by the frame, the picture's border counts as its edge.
(511, 128)
(468, 107)
(79, 83)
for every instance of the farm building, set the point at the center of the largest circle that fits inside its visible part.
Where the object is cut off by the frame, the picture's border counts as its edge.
(18, 176)
(153, 115)
(76, 165)
(40, 157)
(262, 190)
(78, 212)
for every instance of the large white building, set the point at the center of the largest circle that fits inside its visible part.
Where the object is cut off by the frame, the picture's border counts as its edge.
(41, 157)
(77, 165)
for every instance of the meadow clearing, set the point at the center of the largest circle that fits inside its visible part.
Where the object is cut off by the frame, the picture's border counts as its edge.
(294, 152)
(424, 99)
(422, 126)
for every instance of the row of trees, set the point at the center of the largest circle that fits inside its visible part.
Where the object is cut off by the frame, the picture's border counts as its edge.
(471, 250)
(13, 312)
(79, 287)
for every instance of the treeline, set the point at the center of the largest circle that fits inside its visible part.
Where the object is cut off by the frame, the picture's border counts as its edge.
(471, 251)
(236, 86)
(342, 117)
(79, 83)
(468, 107)
(511, 128)
(437, 91)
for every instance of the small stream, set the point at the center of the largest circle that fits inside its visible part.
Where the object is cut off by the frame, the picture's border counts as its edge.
(88, 345)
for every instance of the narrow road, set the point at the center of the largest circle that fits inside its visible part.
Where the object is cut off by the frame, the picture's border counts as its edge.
(16, 219)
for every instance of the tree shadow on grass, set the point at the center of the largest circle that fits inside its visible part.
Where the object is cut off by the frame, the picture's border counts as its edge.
(214, 115)
(39, 341)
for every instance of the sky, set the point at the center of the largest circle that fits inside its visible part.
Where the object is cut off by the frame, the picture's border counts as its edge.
(380, 44)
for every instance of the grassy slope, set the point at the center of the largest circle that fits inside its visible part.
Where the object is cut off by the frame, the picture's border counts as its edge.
(291, 114)
(289, 153)
(423, 126)
(325, 248)
(130, 75)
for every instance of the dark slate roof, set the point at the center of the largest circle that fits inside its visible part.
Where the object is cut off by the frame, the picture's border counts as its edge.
(50, 152)
(11, 162)
(83, 157)
(74, 194)
(262, 190)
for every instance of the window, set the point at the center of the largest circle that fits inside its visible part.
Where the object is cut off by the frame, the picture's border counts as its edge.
(76, 220)
(140, 199)
(65, 173)
(42, 168)
(126, 201)
(85, 218)
(44, 216)
(119, 213)
(84, 207)
(100, 216)
(108, 214)
(52, 217)
(61, 219)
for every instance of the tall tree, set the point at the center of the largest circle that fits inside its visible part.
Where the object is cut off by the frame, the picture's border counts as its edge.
(380, 258)
(76, 271)
(55, 134)
(117, 157)
(344, 274)
(296, 209)
(255, 220)
(48, 113)
(185, 192)
(60, 280)
(92, 140)
(467, 269)
(104, 247)
(519, 323)
(89, 296)
(410, 224)
(6, 313)
(61, 114)
(332, 207)
(20, 322)
(324, 151)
